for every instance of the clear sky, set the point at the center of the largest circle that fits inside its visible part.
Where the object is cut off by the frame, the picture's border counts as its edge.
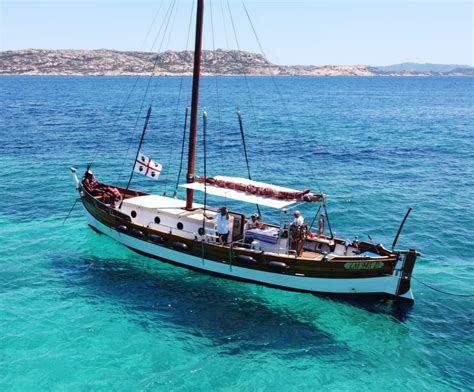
(315, 32)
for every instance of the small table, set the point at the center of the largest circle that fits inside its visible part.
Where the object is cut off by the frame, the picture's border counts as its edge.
(269, 234)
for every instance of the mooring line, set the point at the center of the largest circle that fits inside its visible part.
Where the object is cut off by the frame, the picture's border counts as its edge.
(442, 291)
(69, 213)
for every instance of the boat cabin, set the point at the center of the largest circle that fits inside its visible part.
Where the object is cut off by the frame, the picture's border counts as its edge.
(169, 215)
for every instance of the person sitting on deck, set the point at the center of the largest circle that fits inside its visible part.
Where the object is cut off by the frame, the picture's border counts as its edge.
(108, 194)
(91, 184)
(111, 195)
(252, 223)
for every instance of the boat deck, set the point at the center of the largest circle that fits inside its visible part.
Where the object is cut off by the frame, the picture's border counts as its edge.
(312, 255)
(169, 214)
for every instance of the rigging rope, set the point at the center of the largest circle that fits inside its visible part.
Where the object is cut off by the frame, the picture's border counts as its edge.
(216, 78)
(70, 211)
(172, 25)
(170, 7)
(243, 68)
(225, 28)
(277, 89)
(315, 217)
(442, 291)
(114, 123)
(265, 56)
(241, 126)
(167, 33)
(175, 123)
(136, 156)
(327, 218)
(151, 26)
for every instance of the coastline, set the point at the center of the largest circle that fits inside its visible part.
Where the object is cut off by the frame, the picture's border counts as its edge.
(235, 75)
(103, 62)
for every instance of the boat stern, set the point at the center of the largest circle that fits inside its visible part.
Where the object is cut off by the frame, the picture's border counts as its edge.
(404, 272)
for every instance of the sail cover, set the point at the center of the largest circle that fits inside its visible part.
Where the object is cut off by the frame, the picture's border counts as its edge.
(218, 188)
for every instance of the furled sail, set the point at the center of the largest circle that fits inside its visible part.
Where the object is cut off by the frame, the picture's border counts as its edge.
(250, 191)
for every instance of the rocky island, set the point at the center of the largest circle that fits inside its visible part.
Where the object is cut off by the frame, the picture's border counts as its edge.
(219, 62)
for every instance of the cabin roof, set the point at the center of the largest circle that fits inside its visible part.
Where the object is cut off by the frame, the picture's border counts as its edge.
(157, 202)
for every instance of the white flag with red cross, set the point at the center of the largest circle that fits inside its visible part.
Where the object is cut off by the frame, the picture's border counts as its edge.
(147, 167)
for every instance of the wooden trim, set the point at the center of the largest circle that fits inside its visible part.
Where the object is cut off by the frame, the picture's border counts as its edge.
(335, 268)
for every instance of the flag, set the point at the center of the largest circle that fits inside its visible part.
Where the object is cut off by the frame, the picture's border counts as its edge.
(147, 167)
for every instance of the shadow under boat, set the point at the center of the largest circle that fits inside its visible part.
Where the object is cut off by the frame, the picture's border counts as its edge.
(399, 310)
(197, 305)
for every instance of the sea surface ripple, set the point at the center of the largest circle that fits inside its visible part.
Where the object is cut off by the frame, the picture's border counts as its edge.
(81, 312)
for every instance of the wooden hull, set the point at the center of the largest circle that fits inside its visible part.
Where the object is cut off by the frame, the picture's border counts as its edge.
(343, 275)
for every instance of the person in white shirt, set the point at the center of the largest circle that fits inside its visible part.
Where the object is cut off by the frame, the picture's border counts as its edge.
(299, 220)
(222, 225)
(251, 224)
(298, 232)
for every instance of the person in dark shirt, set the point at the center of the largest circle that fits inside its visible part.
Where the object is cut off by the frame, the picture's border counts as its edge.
(91, 184)
(107, 194)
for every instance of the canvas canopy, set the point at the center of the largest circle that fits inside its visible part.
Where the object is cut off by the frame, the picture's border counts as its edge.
(244, 196)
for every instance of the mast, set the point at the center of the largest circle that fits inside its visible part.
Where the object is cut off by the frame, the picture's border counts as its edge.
(194, 102)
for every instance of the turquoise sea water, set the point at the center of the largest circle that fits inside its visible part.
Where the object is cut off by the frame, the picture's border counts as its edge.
(80, 312)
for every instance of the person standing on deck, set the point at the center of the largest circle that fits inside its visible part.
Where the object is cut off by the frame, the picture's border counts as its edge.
(222, 225)
(298, 232)
(299, 220)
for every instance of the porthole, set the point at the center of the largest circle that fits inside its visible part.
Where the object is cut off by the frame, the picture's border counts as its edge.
(134, 214)
(201, 231)
(157, 220)
(180, 226)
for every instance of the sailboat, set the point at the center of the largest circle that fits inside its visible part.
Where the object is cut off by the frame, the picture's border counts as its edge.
(286, 255)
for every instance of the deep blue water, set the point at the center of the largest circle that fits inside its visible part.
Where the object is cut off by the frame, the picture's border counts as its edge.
(80, 312)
